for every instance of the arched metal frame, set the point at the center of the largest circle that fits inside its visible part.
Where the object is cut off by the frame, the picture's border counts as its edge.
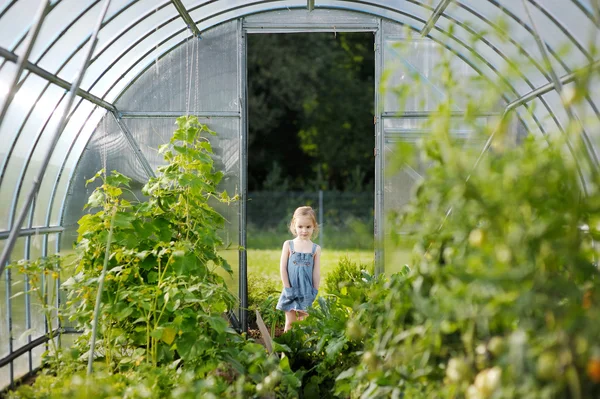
(111, 72)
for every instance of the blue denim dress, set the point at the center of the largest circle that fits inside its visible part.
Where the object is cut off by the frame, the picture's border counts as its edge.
(302, 292)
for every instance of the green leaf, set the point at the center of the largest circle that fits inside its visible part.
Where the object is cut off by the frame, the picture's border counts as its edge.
(97, 175)
(218, 324)
(117, 179)
(168, 335)
(277, 347)
(335, 346)
(285, 364)
(349, 373)
(96, 199)
(152, 277)
(157, 333)
(123, 220)
(124, 312)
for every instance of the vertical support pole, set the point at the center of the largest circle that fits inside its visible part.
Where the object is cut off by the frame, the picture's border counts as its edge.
(243, 142)
(28, 302)
(379, 142)
(11, 367)
(321, 221)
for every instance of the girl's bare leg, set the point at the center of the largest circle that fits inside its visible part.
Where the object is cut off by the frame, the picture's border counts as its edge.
(301, 315)
(290, 317)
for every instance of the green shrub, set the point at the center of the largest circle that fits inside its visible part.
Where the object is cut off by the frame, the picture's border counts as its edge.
(161, 325)
(327, 343)
(345, 274)
(263, 294)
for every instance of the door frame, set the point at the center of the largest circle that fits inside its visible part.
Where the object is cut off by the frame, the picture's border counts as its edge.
(246, 28)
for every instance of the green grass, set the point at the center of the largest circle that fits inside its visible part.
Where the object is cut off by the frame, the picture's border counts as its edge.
(265, 262)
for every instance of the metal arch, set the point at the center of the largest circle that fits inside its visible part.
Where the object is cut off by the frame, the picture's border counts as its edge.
(8, 6)
(130, 48)
(514, 42)
(489, 65)
(70, 178)
(546, 74)
(543, 46)
(128, 28)
(84, 42)
(12, 144)
(548, 87)
(168, 38)
(439, 10)
(51, 75)
(22, 60)
(467, 47)
(559, 88)
(54, 79)
(186, 17)
(557, 23)
(378, 6)
(19, 41)
(33, 231)
(192, 9)
(133, 144)
(62, 168)
(17, 193)
(410, 16)
(42, 73)
(532, 32)
(549, 109)
(587, 12)
(37, 180)
(51, 79)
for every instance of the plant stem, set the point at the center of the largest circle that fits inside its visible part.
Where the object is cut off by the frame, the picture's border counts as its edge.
(99, 294)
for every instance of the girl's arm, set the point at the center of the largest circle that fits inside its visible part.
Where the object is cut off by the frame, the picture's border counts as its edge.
(317, 269)
(283, 261)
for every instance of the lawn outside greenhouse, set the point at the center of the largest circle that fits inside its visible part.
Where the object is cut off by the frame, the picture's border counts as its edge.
(136, 260)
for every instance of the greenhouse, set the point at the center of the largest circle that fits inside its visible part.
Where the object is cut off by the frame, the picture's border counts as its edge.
(124, 192)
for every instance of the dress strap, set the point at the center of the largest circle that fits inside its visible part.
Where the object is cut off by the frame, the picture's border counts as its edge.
(291, 245)
(314, 249)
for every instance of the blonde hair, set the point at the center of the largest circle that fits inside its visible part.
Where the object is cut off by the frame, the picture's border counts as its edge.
(304, 211)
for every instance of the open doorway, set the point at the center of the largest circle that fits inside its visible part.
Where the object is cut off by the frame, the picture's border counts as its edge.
(310, 142)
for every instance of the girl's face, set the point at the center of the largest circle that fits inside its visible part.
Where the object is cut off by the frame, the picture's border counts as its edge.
(304, 227)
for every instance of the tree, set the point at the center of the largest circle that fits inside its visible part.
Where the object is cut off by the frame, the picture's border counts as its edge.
(311, 109)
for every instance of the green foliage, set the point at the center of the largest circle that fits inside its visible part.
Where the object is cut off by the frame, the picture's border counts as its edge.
(500, 297)
(346, 274)
(326, 344)
(161, 290)
(310, 99)
(253, 373)
(162, 330)
(263, 294)
(42, 274)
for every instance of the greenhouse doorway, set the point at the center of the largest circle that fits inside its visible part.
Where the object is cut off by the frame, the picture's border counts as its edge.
(311, 140)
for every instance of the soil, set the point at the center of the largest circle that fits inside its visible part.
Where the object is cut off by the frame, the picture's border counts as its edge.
(255, 334)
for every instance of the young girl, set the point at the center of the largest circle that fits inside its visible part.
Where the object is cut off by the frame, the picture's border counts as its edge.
(300, 267)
